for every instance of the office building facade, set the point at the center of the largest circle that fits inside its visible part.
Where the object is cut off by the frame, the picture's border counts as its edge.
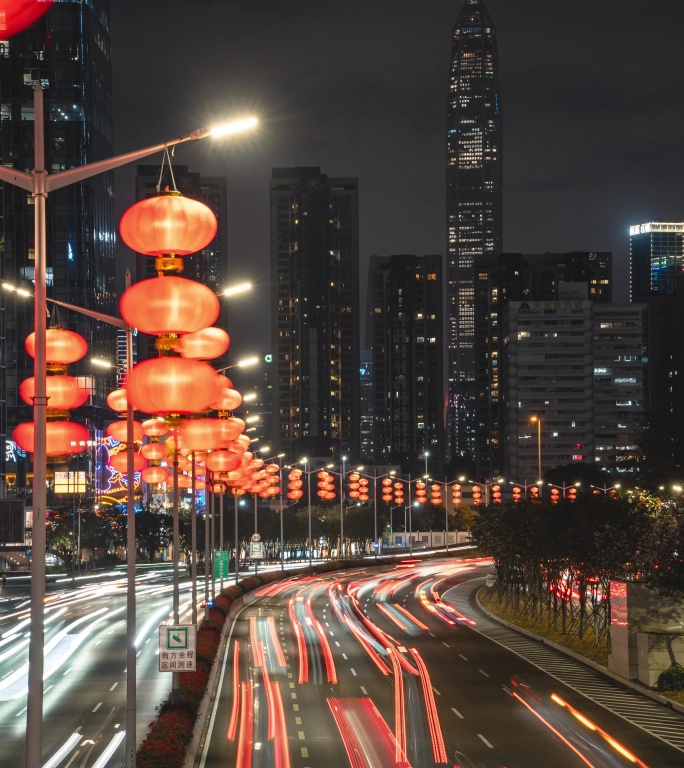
(408, 383)
(315, 313)
(579, 366)
(66, 52)
(474, 201)
(510, 277)
(656, 257)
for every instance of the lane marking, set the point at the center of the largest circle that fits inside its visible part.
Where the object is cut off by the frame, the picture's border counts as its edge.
(301, 735)
(436, 691)
(353, 671)
(305, 752)
(457, 713)
(344, 656)
(97, 707)
(485, 741)
(446, 644)
(463, 657)
(113, 687)
(364, 691)
(483, 672)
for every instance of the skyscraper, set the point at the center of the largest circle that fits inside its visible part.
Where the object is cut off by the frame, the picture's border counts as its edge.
(408, 381)
(68, 53)
(656, 257)
(474, 200)
(315, 313)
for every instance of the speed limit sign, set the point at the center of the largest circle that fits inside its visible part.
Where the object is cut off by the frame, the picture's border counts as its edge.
(256, 537)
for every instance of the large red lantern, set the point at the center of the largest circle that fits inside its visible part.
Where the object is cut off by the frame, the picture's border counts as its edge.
(61, 346)
(63, 392)
(228, 400)
(223, 461)
(119, 431)
(153, 451)
(61, 437)
(16, 15)
(166, 385)
(155, 427)
(119, 462)
(200, 434)
(117, 400)
(207, 344)
(154, 475)
(168, 224)
(170, 304)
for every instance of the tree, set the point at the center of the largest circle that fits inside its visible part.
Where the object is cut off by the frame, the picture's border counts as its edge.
(153, 532)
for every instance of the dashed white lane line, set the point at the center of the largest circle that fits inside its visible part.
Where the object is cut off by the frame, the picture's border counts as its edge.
(457, 713)
(436, 691)
(353, 671)
(337, 644)
(97, 707)
(364, 691)
(301, 735)
(305, 752)
(344, 656)
(491, 746)
(463, 657)
(446, 645)
(483, 672)
(113, 687)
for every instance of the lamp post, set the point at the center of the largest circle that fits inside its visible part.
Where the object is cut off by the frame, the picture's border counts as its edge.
(39, 183)
(564, 488)
(425, 455)
(487, 485)
(398, 506)
(526, 486)
(607, 488)
(537, 420)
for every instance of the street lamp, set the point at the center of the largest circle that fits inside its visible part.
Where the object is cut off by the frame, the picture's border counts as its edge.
(537, 420)
(487, 486)
(40, 183)
(606, 488)
(426, 454)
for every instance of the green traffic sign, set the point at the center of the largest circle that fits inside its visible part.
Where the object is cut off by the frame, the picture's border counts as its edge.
(221, 558)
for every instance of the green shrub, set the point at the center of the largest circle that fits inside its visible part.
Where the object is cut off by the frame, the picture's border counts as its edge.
(671, 679)
(233, 592)
(223, 604)
(249, 583)
(165, 744)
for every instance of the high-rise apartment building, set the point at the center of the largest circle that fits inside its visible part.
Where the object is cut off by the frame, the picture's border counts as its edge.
(474, 201)
(540, 277)
(408, 383)
(315, 313)
(67, 52)
(656, 257)
(579, 366)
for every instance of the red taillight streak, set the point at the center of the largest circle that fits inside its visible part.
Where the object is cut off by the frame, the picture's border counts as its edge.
(244, 749)
(438, 748)
(419, 624)
(301, 645)
(555, 731)
(280, 656)
(391, 617)
(399, 724)
(232, 726)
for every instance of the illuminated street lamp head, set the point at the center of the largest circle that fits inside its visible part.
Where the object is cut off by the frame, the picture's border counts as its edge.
(247, 362)
(102, 363)
(235, 126)
(249, 397)
(233, 290)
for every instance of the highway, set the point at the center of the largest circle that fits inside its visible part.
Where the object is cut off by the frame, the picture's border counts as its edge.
(395, 668)
(85, 661)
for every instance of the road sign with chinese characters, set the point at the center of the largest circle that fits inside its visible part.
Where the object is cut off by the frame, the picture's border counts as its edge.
(177, 648)
(221, 563)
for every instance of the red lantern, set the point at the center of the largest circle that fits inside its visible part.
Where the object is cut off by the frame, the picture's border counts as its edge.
(167, 385)
(117, 400)
(206, 344)
(168, 224)
(223, 461)
(61, 346)
(200, 434)
(119, 431)
(155, 427)
(228, 400)
(170, 304)
(154, 475)
(296, 495)
(119, 462)
(153, 451)
(63, 392)
(62, 438)
(16, 15)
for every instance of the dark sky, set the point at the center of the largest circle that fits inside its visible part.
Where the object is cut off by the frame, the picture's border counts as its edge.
(592, 95)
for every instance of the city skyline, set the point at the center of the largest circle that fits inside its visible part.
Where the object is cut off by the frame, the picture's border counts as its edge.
(591, 141)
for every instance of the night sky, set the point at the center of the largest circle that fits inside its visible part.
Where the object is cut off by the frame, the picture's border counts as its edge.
(592, 97)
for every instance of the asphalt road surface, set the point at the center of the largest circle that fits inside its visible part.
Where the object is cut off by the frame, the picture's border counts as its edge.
(398, 668)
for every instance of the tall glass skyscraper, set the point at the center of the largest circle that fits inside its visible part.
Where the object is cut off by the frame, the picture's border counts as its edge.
(474, 201)
(68, 53)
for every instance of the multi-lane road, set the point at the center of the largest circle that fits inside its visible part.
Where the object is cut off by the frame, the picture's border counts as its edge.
(399, 668)
(373, 668)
